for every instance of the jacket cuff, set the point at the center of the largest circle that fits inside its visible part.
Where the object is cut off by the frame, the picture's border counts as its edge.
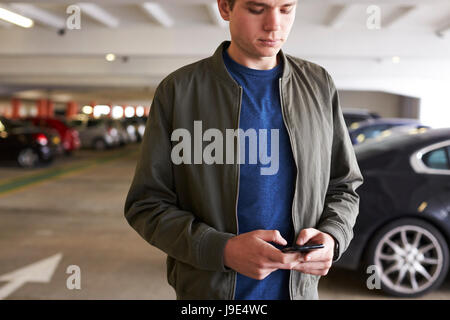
(211, 249)
(337, 233)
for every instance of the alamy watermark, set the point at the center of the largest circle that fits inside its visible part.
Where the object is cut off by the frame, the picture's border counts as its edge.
(374, 280)
(74, 280)
(373, 21)
(73, 22)
(214, 152)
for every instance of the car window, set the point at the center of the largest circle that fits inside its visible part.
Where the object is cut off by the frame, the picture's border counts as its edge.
(93, 122)
(76, 123)
(350, 119)
(437, 159)
(375, 131)
(17, 124)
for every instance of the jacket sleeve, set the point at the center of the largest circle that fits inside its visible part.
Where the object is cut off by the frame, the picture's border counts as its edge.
(151, 204)
(341, 202)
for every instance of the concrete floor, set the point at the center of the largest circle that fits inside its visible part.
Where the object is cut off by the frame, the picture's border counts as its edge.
(79, 214)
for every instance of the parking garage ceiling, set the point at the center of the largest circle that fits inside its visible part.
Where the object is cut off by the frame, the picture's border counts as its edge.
(151, 39)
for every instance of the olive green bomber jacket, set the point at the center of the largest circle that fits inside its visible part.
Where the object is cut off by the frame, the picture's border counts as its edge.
(189, 211)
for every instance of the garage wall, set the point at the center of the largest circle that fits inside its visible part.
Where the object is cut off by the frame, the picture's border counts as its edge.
(385, 104)
(4, 106)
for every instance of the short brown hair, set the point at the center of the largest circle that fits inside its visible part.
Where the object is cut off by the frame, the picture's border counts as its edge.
(231, 3)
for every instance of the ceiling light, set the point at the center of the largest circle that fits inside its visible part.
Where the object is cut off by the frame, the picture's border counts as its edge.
(87, 109)
(110, 57)
(396, 59)
(140, 111)
(129, 112)
(15, 18)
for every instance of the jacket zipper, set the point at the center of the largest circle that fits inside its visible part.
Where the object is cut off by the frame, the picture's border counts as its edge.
(295, 160)
(237, 181)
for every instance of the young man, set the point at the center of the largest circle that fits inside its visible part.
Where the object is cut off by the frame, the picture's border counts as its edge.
(222, 221)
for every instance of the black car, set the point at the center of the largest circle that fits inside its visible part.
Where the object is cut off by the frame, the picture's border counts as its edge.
(362, 131)
(356, 115)
(26, 144)
(403, 228)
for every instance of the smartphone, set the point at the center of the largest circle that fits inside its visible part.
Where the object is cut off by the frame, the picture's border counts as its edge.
(305, 248)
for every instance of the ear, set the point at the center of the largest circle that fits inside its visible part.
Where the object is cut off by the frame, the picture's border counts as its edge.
(224, 9)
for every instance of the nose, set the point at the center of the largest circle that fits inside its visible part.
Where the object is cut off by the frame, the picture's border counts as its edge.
(272, 21)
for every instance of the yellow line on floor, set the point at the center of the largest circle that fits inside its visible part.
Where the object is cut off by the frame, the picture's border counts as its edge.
(57, 173)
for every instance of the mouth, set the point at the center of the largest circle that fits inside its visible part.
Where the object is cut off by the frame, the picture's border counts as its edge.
(270, 42)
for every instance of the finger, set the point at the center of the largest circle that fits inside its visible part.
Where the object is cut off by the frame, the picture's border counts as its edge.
(303, 269)
(275, 258)
(306, 266)
(306, 235)
(317, 255)
(271, 236)
(275, 255)
(277, 265)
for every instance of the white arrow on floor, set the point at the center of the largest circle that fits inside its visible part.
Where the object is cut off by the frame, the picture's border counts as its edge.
(40, 271)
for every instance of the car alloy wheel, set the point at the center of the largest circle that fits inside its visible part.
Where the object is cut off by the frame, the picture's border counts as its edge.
(28, 158)
(411, 256)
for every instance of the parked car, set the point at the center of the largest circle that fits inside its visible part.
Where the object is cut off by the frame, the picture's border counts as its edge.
(124, 137)
(70, 139)
(358, 115)
(135, 127)
(26, 144)
(95, 133)
(369, 129)
(400, 130)
(403, 228)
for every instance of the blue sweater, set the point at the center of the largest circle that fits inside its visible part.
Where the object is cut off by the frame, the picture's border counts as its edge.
(265, 200)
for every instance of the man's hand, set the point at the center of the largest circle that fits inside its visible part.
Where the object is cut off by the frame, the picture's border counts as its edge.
(252, 255)
(319, 261)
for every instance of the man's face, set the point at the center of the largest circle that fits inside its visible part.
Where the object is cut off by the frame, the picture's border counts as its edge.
(259, 28)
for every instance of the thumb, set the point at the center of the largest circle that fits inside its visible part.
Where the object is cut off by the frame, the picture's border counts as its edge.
(271, 236)
(306, 234)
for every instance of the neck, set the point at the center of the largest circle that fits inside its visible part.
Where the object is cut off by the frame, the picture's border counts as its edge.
(258, 63)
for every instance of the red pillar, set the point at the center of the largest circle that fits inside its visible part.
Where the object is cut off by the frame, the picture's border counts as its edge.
(41, 108)
(50, 109)
(15, 103)
(71, 109)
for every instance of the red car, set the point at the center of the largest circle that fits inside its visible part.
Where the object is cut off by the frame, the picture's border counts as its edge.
(70, 140)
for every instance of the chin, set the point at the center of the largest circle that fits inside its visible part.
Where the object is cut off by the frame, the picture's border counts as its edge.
(269, 52)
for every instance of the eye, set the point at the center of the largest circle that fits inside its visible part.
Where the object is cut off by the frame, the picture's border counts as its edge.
(253, 11)
(286, 11)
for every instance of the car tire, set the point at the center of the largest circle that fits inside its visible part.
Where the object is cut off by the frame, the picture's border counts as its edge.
(410, 256)
(100, 144)
(28, 158)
